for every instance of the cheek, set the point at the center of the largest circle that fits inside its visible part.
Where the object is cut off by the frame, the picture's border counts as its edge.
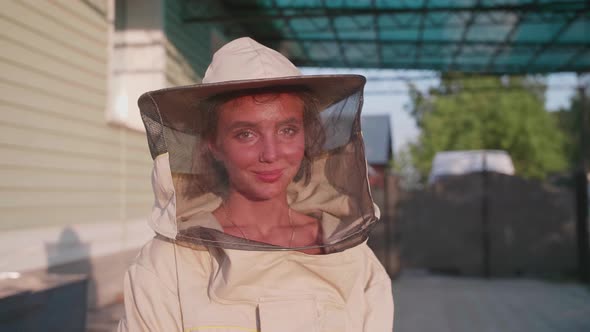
(295, 152)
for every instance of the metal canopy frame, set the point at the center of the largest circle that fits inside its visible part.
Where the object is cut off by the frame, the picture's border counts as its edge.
(477, 36)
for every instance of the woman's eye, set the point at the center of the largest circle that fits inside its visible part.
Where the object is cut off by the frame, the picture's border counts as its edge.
(289, 131)
(244, 135)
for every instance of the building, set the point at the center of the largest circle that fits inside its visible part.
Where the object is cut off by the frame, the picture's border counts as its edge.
(75, 165)
(377, 136)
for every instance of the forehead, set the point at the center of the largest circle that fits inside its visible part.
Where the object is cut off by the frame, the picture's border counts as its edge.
(259, 107)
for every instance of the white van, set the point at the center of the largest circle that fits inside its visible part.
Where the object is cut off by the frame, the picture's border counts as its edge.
(468, 161)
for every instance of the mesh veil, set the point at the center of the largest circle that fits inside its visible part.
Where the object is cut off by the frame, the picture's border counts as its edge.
(336, 191)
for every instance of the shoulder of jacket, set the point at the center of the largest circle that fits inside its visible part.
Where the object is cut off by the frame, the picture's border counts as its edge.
(375, 271)
(162, 257)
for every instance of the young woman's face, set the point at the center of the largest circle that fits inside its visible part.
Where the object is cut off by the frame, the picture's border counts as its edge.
(260, 141)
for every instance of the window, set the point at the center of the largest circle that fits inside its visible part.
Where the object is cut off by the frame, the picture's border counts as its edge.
(137, 59)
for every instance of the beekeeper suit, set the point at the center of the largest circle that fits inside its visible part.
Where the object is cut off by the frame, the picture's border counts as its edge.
(193, 276)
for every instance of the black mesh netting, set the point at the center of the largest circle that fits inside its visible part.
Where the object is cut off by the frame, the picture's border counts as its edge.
(336, 192)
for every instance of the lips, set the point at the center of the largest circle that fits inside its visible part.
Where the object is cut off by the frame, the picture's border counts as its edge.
(269, 176)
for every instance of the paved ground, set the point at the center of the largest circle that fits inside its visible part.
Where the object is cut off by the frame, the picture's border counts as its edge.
(444, 304)
(426, 303)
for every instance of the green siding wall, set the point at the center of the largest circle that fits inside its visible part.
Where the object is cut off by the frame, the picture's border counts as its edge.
(61, 162)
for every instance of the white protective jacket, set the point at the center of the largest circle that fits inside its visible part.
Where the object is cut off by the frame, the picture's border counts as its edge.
(176, 287)
(194, 277)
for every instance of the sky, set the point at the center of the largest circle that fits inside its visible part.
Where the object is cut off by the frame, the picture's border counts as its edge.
(391, 96)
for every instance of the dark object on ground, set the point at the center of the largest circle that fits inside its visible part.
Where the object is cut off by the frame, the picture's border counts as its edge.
(43, 302)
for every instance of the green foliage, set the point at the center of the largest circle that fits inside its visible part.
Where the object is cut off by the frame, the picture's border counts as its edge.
(488, 112)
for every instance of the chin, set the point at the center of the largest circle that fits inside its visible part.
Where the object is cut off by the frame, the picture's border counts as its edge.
(260, 191)
(263, 195)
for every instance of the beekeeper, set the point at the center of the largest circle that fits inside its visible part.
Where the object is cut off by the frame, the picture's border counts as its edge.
(262, 204)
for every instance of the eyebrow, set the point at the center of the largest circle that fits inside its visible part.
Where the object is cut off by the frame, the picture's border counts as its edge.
(291, 120)
(241, 124)
(246, 124)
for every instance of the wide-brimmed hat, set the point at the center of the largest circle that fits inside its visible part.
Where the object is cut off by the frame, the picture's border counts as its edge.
(243, 64)
(188, 184)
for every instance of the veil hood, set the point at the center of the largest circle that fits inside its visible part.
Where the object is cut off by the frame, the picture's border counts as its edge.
(186, 187)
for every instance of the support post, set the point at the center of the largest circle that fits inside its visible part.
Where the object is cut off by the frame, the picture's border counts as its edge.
(581, 188)
(485, 233)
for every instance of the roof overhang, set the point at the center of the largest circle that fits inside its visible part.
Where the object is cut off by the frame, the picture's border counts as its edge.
(475, 36)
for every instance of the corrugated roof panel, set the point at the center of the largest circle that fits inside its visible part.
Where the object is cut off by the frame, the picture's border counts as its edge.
(536, 32)
(578, 32)
(507, 36)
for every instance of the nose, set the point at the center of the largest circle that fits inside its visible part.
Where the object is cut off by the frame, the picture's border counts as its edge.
(270, 150)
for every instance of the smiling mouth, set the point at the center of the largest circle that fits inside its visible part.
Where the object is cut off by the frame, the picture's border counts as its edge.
(269, 176)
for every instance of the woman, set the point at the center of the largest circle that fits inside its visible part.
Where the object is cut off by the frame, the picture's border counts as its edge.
(262, 204)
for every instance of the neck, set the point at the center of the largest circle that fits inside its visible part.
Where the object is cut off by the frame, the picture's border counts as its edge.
(261, 214)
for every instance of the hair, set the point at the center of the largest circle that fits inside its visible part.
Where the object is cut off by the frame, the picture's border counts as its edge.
(315, 137)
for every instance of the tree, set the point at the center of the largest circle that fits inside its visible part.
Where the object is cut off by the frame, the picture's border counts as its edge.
(487, 112)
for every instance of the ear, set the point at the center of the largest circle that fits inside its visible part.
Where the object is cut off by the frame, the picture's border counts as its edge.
(215, 152)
